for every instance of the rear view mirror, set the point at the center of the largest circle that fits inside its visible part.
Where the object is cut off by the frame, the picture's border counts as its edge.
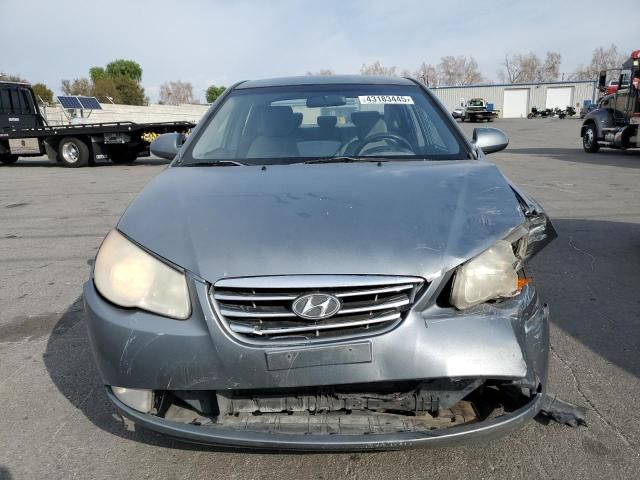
(490, 140)
(326, 101)
(167, 145)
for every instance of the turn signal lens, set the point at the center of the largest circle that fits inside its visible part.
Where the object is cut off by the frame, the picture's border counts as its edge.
(522, 282)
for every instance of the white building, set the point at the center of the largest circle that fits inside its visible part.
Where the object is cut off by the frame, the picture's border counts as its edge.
(516, 100)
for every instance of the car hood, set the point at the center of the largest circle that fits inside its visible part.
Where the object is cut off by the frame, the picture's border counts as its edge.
(395, 218)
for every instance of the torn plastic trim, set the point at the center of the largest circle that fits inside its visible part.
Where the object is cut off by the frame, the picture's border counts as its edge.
(563, 412)
(481, 431)
(537, 229)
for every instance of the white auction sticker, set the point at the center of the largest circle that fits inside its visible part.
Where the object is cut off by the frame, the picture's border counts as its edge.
(385, 99)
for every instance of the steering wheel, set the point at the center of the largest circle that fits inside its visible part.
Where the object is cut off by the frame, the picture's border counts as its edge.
(376, 137)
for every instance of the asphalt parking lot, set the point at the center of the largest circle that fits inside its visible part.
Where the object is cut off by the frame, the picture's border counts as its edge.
(56, 421)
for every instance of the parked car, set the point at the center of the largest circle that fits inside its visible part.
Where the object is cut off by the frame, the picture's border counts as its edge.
(328, 263)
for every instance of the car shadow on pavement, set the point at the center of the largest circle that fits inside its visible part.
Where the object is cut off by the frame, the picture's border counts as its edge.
(69, 362)
(615, 158)
(588, 275)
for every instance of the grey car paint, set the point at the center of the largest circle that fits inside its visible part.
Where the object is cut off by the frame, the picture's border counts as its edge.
(412, 218)
(407, 218)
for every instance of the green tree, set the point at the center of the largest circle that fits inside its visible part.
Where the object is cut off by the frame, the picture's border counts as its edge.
(97, 73)
(124, 68)
(43, 92)
(131, 92)
(118, 82)
(213, 92)
(104, 89)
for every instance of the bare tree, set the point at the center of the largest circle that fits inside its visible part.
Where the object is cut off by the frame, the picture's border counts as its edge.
(519, 68)
(601, 59)
(459, 70)
(470, 73)
(176, 93)
(426, 74)
(79, 86)
(377, 69)
(323, 72)
(550, 70)
(528, 67)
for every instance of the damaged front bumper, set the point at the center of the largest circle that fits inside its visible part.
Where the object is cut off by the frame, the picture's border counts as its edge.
(319, 434)
(488, 366)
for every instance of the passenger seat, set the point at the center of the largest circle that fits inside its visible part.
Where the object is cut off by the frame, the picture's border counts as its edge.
(278, 134)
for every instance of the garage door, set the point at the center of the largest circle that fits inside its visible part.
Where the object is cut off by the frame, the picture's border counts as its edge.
(515, 103)
(559, 97)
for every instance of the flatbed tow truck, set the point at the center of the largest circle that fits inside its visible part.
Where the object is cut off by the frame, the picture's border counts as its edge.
(475, 110)
(25, 133)
(615, 122)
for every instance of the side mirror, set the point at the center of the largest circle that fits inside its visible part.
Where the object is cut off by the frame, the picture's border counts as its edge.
(602, 81)
(490, 140)
(167, 145)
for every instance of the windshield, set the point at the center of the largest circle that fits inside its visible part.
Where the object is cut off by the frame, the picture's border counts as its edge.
(476, 103)
(298, 123)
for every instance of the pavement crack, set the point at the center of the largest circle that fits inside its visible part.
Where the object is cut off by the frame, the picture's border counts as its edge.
(592, 405)
(584, 252)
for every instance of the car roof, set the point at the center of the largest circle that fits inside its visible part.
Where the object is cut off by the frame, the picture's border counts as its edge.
(325, 80)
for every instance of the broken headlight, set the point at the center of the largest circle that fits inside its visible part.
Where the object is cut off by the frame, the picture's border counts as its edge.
(491, 275)
(130, 277)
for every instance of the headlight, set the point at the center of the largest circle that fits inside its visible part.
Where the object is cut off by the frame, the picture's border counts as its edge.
(130, 277)
(490, 275)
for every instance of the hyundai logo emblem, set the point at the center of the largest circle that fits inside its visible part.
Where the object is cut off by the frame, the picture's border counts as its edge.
(316, 306)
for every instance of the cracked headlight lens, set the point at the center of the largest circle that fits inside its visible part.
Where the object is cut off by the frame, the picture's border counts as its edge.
(130, 277)
(490, 275)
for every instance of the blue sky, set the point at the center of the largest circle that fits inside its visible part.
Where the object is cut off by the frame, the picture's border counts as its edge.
(220, 42)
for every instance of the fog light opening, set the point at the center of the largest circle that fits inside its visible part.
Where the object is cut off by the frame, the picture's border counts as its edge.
(138, 399)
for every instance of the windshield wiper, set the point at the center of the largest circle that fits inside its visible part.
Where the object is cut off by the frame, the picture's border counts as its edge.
(346, 160)
(213, 163)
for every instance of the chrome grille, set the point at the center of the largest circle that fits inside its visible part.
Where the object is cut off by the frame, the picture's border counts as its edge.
(260, 307)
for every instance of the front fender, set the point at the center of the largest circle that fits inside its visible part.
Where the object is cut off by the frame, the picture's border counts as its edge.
(600, 118)
(540, 229)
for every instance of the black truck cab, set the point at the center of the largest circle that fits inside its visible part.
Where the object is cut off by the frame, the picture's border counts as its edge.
(615, 122)
(18, 107)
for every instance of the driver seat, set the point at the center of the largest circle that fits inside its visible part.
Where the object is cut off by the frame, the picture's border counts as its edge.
(367, 123)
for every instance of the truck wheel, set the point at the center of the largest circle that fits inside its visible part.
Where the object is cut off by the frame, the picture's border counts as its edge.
(462, 119)
(8, 159)
(73, 152)
(120, 154)
(589, 139)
